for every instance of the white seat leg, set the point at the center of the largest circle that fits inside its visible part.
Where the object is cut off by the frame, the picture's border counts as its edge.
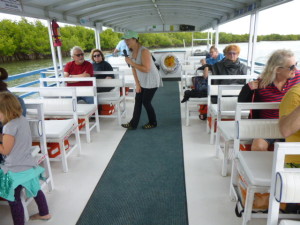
(63, 156)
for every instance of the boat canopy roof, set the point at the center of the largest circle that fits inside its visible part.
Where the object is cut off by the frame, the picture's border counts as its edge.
(144, 16)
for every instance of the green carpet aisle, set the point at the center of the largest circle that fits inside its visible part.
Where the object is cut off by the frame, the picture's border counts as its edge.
(144, 182)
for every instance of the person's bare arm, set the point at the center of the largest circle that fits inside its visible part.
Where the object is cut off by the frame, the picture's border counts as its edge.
(137, 82)
(290, 124)
(8, 143)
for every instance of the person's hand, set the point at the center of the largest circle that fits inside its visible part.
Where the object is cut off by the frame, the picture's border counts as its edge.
(203, 61)
(128, 60)
(138, 89)
(253, 84)
(70, 82)
(85, 74)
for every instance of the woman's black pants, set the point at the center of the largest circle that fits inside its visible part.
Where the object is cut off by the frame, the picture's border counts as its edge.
(144, 98)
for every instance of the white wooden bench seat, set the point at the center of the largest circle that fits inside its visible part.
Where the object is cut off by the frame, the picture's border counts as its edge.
(84, 111)
(226, 131)
(254, 167)
(257, 166)
(60, 101)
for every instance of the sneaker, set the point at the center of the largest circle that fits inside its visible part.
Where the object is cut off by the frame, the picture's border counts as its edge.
(128, 126)
(149, 126)
(203, 116)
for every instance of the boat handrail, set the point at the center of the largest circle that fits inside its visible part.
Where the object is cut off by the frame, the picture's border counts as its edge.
(50, 70)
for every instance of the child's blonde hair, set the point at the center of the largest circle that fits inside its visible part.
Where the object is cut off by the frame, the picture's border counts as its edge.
(9, 106)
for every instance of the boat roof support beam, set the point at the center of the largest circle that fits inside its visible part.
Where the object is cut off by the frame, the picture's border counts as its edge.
(217, 37)
(98, 30)
(252, 41)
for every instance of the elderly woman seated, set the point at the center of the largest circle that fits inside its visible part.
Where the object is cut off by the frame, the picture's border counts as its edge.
(279, 75)
(230, 65)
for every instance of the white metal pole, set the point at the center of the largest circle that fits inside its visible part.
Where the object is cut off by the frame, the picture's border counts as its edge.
(98, 30)
(52, 48)
(192, 43)
(254, 43)
(217, 36)
(251, 31)
(60, 59)
(208, 40)
(97, 42)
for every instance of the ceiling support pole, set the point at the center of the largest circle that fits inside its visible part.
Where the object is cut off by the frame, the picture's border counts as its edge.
(252, 41)
(98, 30)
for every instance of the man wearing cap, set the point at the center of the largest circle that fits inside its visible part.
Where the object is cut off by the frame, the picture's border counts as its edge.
(147, 80)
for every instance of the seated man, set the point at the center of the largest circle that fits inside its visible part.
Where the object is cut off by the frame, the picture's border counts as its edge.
(79, 68)
(215, 57)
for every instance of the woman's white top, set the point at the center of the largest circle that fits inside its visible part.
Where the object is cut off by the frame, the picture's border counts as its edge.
(151, 79)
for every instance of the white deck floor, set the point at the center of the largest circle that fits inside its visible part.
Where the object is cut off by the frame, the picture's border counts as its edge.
(207, 191)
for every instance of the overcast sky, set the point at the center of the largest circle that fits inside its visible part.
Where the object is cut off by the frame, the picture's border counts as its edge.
(282, 19)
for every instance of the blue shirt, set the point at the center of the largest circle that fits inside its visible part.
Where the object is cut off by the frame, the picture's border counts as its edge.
(212, 61)
(121, 46)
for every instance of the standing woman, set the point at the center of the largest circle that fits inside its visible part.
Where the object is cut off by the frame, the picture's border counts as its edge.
(147, 80)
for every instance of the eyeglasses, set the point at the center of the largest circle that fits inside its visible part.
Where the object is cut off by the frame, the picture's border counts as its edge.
(291, 68)
(96, 56)
(231, 53)
(78, 55)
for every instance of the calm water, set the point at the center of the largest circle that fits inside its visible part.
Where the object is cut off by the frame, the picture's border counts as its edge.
(264, 49)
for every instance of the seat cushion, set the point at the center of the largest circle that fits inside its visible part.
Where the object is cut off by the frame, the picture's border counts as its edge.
(257, 166)
(289, 222)
(86, 109)
(57, 129)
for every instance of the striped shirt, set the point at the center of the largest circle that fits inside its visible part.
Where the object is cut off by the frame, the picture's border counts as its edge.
(272, 94)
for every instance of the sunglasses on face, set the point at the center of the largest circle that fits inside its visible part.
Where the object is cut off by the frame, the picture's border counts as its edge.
(291, 68)
(96, 56)
(231, 53)
(78, 55)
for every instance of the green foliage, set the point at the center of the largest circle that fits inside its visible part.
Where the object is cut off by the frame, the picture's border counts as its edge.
(24, 38)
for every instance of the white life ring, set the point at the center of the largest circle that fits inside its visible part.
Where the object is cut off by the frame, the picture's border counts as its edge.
(169, 63)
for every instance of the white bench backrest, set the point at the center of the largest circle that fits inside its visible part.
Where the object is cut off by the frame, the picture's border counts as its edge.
(118, 74)
(258, 128)
(80, 90)
(242, 106)
(228, 103)
(110, 82)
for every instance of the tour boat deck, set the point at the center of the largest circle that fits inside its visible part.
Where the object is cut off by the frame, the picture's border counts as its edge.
(207, 191)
